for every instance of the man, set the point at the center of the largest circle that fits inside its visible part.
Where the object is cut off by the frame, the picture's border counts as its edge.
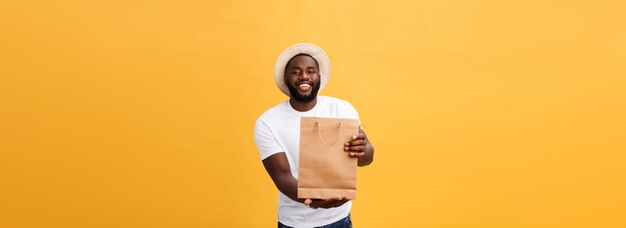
(301, 71)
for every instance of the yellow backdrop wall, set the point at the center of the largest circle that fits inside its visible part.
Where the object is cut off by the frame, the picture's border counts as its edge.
(483, 113)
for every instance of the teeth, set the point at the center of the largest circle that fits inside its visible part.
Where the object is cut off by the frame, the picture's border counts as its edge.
(304, 86)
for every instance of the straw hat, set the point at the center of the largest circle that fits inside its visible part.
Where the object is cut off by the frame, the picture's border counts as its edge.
(302, 48)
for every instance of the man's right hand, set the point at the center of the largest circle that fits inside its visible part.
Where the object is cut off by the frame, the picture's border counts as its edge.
(326, 203)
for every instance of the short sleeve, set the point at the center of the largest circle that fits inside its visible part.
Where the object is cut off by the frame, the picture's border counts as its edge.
(266, 142)
(348, 111)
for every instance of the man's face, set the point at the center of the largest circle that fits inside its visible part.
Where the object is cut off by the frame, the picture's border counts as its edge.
(302, 78)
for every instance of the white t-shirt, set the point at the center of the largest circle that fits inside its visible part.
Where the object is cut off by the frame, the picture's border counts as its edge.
(278, 130)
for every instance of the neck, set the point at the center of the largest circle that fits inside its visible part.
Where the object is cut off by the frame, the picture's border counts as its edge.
(302, 107)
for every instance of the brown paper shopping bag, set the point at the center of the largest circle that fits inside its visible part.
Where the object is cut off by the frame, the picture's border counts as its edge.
(325, 169)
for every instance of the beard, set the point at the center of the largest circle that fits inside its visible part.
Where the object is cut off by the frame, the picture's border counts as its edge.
(303, 98)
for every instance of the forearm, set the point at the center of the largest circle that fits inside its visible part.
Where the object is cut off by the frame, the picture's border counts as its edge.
(288, 185)
(278, 168)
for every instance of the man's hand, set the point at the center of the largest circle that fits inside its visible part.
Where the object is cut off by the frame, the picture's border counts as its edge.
(357, 146)
(326, 203)
(360, 147)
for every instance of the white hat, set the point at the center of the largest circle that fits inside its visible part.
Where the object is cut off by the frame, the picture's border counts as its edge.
(302, 48)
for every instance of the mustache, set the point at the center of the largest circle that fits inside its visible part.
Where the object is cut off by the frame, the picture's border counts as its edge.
(303, 98)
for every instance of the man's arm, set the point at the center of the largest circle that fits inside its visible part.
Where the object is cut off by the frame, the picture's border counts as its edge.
(277, 167)
(361, 148)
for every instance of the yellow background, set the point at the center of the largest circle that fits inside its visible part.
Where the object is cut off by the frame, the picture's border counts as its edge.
(482, 113)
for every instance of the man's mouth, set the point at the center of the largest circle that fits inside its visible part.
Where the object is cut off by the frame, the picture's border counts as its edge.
(304, 87)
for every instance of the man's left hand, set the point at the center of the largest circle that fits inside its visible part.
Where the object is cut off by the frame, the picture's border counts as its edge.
(356, 147)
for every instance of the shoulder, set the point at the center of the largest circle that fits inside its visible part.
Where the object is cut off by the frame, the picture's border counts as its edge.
(272, 115)
(273, 112)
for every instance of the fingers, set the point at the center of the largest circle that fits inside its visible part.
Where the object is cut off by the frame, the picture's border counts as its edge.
(308, 201)
(357, 139)
(356, 152)
(357, 145)
(358, 136)
(355, 142)
(328, 203)
(355, 148)
(333, 199)
(357, 155)
(340, 201)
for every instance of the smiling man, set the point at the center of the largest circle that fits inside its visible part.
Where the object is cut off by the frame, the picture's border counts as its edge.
(301, 71)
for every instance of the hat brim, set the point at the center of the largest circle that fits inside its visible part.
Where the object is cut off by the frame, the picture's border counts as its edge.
(302, 48)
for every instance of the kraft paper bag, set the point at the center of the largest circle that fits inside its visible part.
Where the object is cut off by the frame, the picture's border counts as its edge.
(325, 169)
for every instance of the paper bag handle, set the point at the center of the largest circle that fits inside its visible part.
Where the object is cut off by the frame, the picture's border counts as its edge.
(319, 133)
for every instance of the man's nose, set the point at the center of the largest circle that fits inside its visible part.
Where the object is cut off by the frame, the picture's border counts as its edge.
(304, 75)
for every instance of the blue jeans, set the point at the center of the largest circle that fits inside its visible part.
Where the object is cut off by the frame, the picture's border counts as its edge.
(343, 223)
